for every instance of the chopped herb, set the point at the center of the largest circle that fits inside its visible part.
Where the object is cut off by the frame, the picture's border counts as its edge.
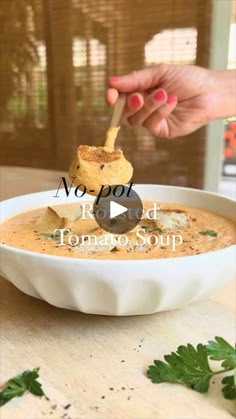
(210, 233)
(21, 384)
(149, 229)
(189, 366)
(55, 236)
(163, 247)
(49, 235)
(146, 228)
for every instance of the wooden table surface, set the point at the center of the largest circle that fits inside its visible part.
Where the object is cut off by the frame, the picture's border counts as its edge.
(97, 364)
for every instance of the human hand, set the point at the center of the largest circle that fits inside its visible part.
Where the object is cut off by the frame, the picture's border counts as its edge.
(172, 100)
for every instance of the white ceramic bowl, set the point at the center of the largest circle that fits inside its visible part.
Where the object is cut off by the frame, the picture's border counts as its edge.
(119, 287)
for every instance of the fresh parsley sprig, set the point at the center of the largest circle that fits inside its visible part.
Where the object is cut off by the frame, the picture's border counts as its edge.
(190, 366)
(21, 384)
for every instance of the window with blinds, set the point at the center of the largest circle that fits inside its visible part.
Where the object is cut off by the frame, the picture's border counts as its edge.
(55, 59)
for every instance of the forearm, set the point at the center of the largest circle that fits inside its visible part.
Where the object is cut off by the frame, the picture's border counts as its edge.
(223, 100)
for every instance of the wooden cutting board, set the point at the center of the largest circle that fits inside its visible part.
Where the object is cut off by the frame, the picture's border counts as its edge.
(98, 364)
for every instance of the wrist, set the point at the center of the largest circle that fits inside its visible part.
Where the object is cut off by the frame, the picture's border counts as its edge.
(223, 96)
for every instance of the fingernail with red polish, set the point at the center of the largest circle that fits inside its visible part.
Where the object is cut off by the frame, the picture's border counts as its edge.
(172, 99)
(114, 79)
(160, 96)
(135, 101)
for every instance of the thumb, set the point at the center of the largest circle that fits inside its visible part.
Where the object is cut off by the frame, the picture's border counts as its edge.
(139, 80)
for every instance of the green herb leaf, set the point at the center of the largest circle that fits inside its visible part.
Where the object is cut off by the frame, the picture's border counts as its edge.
(19, 385)
(53, 236)
(14, 389)
(49, 235)
(229, 389)
(188, 366)
(30, 378)
(149, 229)
(220, 350)
(210, 233)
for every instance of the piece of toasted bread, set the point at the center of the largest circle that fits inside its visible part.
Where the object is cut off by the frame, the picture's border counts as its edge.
(98, 154)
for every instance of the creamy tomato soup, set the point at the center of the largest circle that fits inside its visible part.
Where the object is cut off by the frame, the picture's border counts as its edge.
(172, 231)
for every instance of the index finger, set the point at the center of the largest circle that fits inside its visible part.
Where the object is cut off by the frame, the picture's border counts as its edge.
(139, 80)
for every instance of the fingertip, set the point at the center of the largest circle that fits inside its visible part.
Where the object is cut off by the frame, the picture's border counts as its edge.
(126, 83)
(112, 96)
(172, 100)
(135, 101)
(160, 95)
(112, 81)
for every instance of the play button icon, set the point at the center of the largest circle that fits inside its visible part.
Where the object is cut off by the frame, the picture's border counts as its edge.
(119, 211)
(116, 209)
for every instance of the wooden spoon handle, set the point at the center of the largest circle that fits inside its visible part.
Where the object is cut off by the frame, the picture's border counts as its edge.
(118, 111)
(115, 121)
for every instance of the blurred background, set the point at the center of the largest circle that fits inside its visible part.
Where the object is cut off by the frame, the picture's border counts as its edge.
(56, 57)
